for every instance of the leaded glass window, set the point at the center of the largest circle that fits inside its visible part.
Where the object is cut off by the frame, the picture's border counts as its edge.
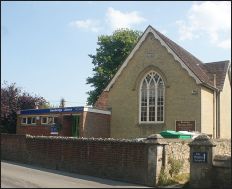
(152, 98)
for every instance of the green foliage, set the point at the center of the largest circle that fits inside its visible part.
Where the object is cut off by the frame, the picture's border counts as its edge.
(112, 51)
(175, 166)
(164, 179)
(182, 177)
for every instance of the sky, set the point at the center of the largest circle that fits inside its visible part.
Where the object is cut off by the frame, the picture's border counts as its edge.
(45, 45)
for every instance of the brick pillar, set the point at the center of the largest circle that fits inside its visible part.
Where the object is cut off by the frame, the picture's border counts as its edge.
(201, 162)
(156, 158)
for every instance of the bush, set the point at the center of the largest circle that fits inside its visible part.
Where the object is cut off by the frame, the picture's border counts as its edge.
(175, 166)
(164, 179)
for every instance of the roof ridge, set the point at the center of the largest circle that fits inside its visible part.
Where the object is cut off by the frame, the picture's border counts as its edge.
(222, 61)
(159, 33)
(199, 62)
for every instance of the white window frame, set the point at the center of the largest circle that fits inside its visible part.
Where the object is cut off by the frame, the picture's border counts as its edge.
(41, 118)
(53, 119)
(156, 95)
(32, 123)
(23, 122)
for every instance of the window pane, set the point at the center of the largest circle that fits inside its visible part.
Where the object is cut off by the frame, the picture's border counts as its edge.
(156, 77)
(144, 114)
(24, 120)
(160, 113)
(33, 120)
(148, 78)
(29, 120)
(152, 93)
(44, 119)
(144, 98)
(151, 113)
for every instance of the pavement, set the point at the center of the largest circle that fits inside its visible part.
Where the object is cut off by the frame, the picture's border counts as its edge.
(17, 175)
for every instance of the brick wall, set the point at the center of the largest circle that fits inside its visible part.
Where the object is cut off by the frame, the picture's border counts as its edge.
(102, 101)
(34, 130)
(121, 159)
(96, 125)
(66, 126)
(125, 160)
(13, 147)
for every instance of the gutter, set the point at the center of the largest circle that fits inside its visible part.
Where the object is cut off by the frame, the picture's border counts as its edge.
(211, 87)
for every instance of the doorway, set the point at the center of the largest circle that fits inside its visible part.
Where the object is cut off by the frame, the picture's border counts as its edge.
(75, 125)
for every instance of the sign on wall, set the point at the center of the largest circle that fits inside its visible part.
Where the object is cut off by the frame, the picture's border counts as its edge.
(54, 130)
(53, 110)
(200, 157)
(186, 126)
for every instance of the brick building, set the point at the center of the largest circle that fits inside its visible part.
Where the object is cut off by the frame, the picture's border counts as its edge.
(69, 121)
(162, 86)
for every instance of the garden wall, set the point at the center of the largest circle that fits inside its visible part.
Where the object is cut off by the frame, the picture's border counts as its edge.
(125, 160)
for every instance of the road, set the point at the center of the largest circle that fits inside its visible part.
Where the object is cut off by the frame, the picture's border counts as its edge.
(15, 175)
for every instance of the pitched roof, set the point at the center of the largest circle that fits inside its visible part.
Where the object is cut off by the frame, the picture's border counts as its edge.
(193, 63)
(220, 69)
(201, 72)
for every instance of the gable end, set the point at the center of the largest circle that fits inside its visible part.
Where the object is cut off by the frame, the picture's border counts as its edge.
(162, 42)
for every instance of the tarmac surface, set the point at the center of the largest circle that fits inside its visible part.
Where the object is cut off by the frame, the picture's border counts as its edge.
(16, 175)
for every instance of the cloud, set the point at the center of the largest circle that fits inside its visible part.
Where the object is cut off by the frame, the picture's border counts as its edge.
(88, 24)
(211, 18)
(225, 44)
(117, 19)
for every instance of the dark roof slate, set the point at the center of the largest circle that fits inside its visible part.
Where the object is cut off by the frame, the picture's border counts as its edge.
(203, 71)
(220, 69)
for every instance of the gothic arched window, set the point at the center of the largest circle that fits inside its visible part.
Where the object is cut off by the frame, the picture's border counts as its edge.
(152, 99)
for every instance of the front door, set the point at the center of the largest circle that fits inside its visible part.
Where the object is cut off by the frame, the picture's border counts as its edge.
(75, 125)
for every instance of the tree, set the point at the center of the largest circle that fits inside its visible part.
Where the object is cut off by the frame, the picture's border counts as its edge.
(112, 51)
(12, 100)
(62, 103)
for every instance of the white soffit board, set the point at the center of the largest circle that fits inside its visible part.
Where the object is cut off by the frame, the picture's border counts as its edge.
(93, 110)
(148, 30)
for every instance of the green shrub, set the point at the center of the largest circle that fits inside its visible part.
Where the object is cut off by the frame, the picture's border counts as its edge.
(182, 178)
(175, 166)
(164, 179)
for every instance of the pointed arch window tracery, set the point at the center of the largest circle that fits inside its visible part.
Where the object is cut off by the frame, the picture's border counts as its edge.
(152, 90)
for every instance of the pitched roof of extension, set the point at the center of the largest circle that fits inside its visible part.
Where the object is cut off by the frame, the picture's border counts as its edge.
(220, 69)
(202, 73)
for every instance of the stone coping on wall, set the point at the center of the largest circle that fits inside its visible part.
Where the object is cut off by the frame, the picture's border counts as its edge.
(222, 161)
(89, 139)
(149, 140)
